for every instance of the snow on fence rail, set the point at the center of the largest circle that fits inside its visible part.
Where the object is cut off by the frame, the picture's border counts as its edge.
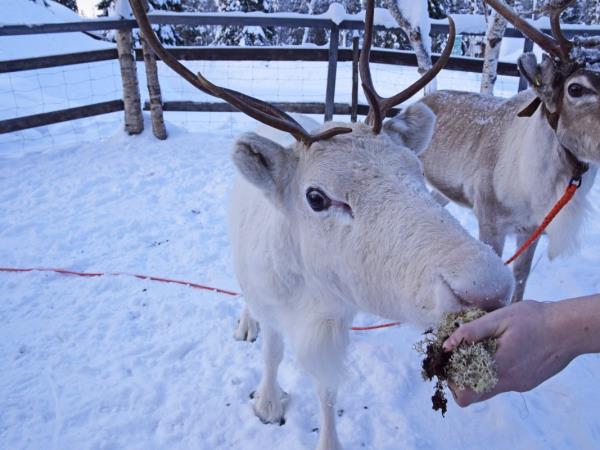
(331, 54)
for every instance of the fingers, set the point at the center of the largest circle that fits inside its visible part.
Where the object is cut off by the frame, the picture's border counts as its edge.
(474, 331)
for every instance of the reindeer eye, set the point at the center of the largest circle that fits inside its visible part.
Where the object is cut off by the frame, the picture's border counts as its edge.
(317, 200)
(575, 90)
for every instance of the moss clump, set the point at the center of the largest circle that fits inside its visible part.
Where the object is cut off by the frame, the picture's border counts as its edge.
(468, 365)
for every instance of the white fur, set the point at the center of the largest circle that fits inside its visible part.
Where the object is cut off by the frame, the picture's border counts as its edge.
(305, 274)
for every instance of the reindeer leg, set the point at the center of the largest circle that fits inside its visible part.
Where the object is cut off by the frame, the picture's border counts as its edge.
(247, 329)
(269, 398)
(492, 236)
(485, 208)
(522, 266)
(321, 349)
(328, 438)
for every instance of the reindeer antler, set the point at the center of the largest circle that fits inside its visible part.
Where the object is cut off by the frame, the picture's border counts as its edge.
(255, 108)
(380, 106)
(556, 9)
(559, 46)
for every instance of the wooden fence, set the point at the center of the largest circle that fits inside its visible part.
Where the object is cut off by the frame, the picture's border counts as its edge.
(332, 55)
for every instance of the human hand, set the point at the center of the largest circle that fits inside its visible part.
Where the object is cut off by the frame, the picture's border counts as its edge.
(532, 347)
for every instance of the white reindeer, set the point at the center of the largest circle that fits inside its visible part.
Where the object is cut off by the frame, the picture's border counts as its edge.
(341, 222)
(511, 159)
(248, 328)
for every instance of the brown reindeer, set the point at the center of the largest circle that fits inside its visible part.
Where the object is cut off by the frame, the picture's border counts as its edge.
(511, 159)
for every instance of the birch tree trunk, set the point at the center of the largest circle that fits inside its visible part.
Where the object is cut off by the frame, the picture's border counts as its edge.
(134, 122)
(415, 37)
(495, 32)
(156, 110)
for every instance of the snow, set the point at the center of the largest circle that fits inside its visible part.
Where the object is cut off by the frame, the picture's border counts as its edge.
(414, 11)
(417, 13)
(465, 23)
(28, 11)
(117, 362)
(30, 46)
(336, 12)
(381, 18)
(88, 8)
(122, 9)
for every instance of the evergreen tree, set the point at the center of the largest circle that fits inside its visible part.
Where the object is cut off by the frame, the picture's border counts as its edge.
(236, 35)
(71, 4)
(197, 35)
(437, 9)
(166, 33)
(583, 11)
(395, 39)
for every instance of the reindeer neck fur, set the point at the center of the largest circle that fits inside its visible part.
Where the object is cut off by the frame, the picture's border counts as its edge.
(535, 167)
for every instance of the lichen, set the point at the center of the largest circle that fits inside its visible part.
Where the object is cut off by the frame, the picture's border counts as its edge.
(469, 365)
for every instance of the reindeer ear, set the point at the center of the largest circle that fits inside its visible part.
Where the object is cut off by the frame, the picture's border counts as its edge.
(412, 127)
(543, 78)
(528, 67)
(264, 163)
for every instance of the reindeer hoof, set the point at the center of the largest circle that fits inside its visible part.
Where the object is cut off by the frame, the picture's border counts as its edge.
(270, 407)
(247, 329)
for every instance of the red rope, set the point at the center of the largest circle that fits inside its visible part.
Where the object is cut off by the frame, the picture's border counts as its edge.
(376, 327)
(141, 277)
(567, 196)
(161, 280)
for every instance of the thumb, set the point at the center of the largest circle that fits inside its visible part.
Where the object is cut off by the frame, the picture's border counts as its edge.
(475, 331)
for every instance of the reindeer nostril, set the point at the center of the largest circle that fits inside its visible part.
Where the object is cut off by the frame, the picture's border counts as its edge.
(488, 296)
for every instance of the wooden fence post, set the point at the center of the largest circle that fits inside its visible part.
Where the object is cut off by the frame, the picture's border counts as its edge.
(134, 121)
(334, 40)
(156, 107)
(355, 56)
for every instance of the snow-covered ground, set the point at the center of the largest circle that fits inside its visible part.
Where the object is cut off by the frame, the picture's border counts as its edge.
(120, 363)
(18, 12)
(116, 362)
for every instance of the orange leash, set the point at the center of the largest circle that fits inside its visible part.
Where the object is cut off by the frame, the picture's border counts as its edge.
(574, 184)
(136, 275)
(159, 279)
(376, 327)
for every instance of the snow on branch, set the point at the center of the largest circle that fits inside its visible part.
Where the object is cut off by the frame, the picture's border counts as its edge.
(413, 18)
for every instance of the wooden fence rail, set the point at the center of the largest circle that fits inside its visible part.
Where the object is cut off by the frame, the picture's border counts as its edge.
(272, 20)
(378, 56)
(45, 62)
(62, 115)
(343, 109)
(332, 54)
